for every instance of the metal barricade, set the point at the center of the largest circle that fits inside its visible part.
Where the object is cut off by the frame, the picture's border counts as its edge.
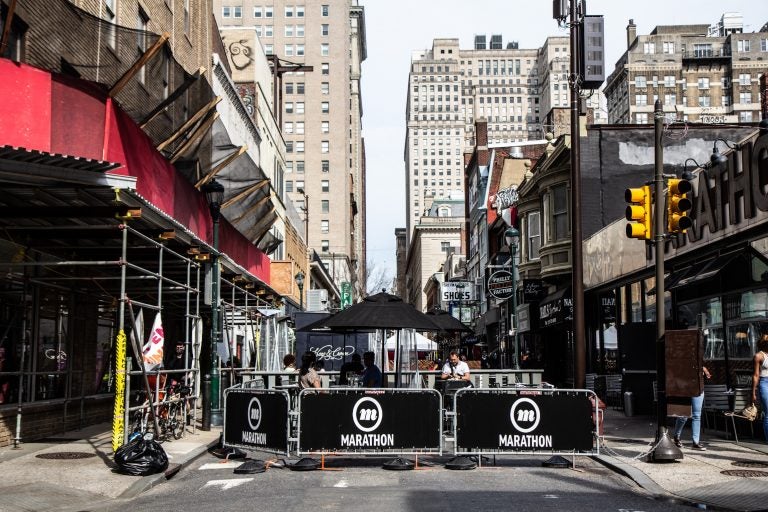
(257, 419)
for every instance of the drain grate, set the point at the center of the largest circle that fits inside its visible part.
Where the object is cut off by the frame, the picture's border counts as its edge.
(65, 455)
(749, 464)
(749, 473)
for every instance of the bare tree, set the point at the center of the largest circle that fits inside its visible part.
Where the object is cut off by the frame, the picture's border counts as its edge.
(377, 278)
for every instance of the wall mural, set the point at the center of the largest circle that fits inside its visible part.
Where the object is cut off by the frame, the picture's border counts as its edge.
(247, 93)
(240, 54)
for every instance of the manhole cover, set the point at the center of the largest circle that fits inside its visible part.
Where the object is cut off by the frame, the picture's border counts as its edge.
(749, 464)
(745, 473)
(65, 455)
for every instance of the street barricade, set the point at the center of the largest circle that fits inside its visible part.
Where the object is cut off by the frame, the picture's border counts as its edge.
(256, 419)
(370, 421)
(525, 421)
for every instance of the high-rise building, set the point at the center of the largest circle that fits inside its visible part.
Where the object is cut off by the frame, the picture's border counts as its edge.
(514, 89)
(320, 112)
(700, 73)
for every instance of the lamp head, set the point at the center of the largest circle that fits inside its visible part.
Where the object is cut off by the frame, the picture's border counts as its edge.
(299, 279)
(511, 235)
(214, 192)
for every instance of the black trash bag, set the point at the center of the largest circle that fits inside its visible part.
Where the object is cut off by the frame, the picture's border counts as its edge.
(142, 456)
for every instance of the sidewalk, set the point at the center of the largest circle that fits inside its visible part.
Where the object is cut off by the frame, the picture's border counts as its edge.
(81, 470)
(32, 483)
(698, 477)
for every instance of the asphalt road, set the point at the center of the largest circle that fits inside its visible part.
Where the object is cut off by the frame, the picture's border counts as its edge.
(514, 483)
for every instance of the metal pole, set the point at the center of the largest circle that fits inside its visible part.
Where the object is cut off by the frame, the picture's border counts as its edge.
(216, 417)
(665, 449)
(512, 253)
(577, 286)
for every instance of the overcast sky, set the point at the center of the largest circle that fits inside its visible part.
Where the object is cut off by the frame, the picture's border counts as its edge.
(395, 28)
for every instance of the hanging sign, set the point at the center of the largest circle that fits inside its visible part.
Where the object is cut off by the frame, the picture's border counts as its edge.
(500, 284)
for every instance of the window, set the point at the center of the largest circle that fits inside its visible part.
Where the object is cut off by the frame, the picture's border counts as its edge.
(704, 101)
(289, 146)
(324, 107)
(268, 31)
(325, 186)
(238, 11)
(744, 79)
(288, 167)
(324, 88)
(703, 83)
(300, 146)
(745, 98)
(641, 100)
(289, 186)
(300, 88)
(641, 118)
(289, 107)
(560, 213)
(142, 23)
(324, 68)
(324, 29)
(764, 45)
(300, 128)
(268, 12)
(300, 11)
(268, 49)
(325, 246)
(288, 50)
(324, 226)
(226, 12)
(259, 30)
(325, 206)
(324, 49)
(300, 166)
(640, 81)
(288, 127)
(289, 31)
(299, 50)
(299, 30)
(533, 225)
(668, 47)
(670, 99)
(649, 47)
(445, 246)
(289, 88)
(745, 117)
(669, 80)
(324, 11)
(325, 166)
(325, 127)
(257, 12)
(289, 12)
(324, 146)
(742, 45)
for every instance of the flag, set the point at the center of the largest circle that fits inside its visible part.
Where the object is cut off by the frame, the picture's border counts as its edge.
(153, 350)
(139, 331)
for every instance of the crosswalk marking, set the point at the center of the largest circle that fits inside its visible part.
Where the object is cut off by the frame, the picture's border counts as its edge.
(227, 484)
(221, 465)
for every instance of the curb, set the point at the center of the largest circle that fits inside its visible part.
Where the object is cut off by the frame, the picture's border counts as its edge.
(635, 475)
(151, 481)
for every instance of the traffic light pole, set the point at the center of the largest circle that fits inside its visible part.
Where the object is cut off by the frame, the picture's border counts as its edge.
(664, 448)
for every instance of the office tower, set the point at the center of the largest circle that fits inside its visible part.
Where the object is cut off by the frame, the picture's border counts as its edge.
(700, 73)
(320, 112)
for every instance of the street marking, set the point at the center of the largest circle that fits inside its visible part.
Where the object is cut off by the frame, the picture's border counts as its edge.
(552, 496)
(341, 483)
(227, 484)
(221, 465)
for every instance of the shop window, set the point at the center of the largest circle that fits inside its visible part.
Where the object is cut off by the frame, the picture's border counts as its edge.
(560, 227)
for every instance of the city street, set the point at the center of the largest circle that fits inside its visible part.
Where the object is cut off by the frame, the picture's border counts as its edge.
(515, 483)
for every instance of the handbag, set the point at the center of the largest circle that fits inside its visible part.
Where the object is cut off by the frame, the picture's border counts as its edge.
(749, 412)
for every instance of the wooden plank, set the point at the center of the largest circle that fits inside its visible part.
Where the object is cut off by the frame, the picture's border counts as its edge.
(140, 62)
(172, 97)
(192, 120)
(199, 132)
(245, 193)
(7, 26)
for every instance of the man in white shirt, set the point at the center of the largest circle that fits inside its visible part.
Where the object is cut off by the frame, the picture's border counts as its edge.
(454, 368)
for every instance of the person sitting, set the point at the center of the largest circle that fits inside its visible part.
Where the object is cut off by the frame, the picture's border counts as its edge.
(371, 375)
(454, 368)
(289, 363)
(308, 377)
(353, 366)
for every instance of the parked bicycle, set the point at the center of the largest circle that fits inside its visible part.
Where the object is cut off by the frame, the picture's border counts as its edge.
(171, 414)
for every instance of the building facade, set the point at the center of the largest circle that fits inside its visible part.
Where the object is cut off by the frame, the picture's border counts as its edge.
(700, 73)
(320, 113)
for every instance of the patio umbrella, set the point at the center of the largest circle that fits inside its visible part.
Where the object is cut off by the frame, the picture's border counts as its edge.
(381, 311)
(446, 321)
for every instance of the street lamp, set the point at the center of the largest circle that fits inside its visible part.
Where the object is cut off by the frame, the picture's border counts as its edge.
(300, 283)
(511, 237)
(717, 158)
(214, 193)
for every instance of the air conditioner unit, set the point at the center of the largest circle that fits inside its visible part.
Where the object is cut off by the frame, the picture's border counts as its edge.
(317, 300)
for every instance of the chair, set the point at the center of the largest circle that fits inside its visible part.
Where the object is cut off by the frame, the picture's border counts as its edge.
(590, 381)
(613, 391)
(715, 402)
(742, 397)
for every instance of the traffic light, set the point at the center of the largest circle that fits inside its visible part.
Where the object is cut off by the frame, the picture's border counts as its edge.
(678, 205)
(638, 212)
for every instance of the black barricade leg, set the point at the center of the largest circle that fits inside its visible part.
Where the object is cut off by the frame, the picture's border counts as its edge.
(461, 462)
(399, 464)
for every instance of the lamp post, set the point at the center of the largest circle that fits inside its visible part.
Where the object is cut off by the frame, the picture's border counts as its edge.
(300, 283)
(511, 237)
(214, 192)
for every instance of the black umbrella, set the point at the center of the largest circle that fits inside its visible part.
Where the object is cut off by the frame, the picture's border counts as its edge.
(446, 321)
(381, 311)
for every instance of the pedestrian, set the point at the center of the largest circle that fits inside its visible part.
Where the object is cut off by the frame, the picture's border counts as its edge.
(308, 377)
(371, 376)
(349, 369)
(760, 379)
(696, 404)
(289, 363)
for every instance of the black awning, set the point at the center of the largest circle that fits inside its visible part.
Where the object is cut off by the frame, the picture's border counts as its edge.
(708, 270)
(556, 307)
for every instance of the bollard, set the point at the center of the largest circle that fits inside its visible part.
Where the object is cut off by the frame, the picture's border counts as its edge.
(629, 404)
(206, 420)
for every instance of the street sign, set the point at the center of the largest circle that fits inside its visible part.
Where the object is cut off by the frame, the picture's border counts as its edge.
(346, 294)
(457, 291)
(500, 284)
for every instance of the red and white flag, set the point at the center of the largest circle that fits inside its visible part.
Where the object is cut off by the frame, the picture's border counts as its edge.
(152, 351)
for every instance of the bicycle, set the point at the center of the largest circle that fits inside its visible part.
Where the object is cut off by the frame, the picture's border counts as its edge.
(171, 414)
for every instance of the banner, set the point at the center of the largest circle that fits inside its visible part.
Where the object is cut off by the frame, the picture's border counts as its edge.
(369, 421)
(152, 351)
(256, 419)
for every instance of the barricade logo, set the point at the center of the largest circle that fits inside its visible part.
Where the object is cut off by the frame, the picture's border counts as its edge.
(254, 413)
(366, 414)
(525, 415)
